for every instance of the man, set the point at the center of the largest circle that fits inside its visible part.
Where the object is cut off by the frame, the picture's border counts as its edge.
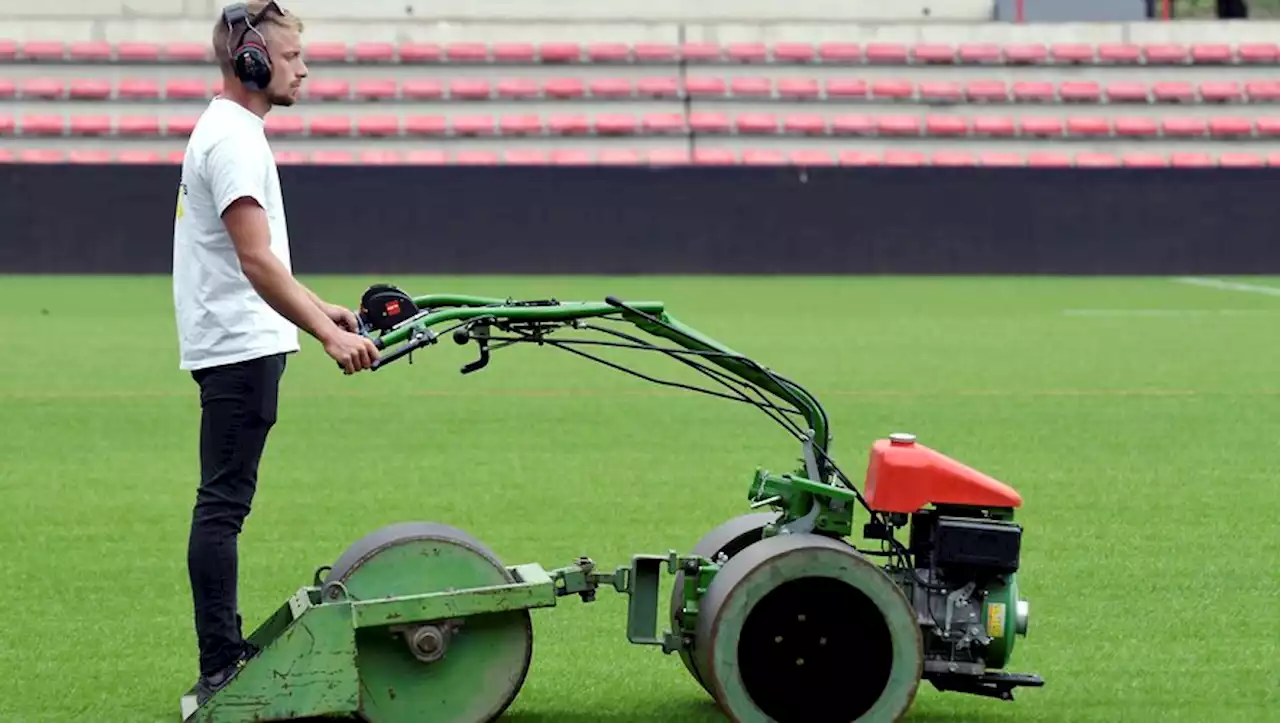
(238, 307)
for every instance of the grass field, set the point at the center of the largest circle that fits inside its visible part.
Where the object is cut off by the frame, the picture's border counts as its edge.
(1138, 418)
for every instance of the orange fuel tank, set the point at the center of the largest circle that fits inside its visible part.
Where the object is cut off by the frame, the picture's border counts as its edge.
(905, 476)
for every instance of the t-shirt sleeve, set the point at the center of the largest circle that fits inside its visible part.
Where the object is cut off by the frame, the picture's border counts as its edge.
(236, 168)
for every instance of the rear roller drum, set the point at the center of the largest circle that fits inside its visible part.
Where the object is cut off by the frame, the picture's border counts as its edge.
(801, 628)
(730, 538)
(452, 671)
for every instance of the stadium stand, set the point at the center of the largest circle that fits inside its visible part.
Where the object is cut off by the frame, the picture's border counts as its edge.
(817, 100)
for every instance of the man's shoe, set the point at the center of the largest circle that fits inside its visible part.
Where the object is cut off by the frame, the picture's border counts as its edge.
(210, 684)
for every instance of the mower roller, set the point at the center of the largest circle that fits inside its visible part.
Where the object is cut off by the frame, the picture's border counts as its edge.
(421, 622)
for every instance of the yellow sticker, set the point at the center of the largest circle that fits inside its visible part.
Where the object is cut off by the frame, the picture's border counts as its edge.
(995, 619)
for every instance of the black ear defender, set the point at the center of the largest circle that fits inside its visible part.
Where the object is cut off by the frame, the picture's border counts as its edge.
(249, 56)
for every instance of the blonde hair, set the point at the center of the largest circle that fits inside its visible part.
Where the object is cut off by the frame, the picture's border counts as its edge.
(222, 35)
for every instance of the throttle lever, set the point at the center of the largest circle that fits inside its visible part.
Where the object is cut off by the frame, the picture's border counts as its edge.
(479, 332)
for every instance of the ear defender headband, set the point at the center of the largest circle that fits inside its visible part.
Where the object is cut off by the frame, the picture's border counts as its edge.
(249, 56)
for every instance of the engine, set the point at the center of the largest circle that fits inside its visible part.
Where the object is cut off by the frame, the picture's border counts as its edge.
(960, 567)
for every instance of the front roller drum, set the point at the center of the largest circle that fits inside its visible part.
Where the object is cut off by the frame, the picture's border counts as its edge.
(801, 628)
(465, 670)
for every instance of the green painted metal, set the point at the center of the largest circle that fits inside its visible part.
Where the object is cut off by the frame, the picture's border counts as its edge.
(745, 584)
(999, 620)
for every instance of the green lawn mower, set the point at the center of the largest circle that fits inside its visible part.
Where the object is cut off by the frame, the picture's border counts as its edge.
(420, 622)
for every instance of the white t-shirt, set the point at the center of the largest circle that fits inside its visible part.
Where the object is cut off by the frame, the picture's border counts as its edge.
(221, 319)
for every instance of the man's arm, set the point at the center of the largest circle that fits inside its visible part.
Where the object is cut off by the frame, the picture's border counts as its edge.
(246, 222)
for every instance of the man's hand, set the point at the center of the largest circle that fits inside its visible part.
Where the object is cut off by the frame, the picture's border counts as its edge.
(353, 352)
(342, 316)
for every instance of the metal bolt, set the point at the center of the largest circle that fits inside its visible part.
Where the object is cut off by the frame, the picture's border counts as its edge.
(902, 438)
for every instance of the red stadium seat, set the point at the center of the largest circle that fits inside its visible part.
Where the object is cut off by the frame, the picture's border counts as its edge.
(86, 155)
(858, 158)
(572, 157)
(846, 88)
(42, 88)
(9, 89)
(835, 52)
(1141, 159)
(887, 53)
(1173, 92)
(1119, 53)
(700, 52)
(180, 125)
(892, 89)
(518, 157)
(426, 125)
(616, 124)
(139, 157)
(705, 87)
(8, 50)
(986, 91)
(138, 89)
(1049, 159)
(1262, 91)
(373, 89)
(284, 125)
(904, 158)
(141, 125)
(186, 52)
(1126, 91)
(707, 122)
(994, 126)
(374, 52)
(1166, 54)
(799, 89)
(513, 53)
(980, 53)
(466, 52)
(176, 157)
(654, 52)
(43, 50)
(1041, 127)
(946, 91)
(564, 88)
(1221, 91)
(1136, 127)
(1191, 160)
(663, 123)
(1080, 91)
(1268, 127)
(892, 125)
(1071, 53)
(658, 87)
(137, 52)
(378, 125)
(474, 125)
(618, 156)
(328, 89)
(89, 89)
(804, 157)
(794, 52)
(325, 52)
(608, 52)
(1026, 53)
(329, 126)
(419, 53)
(1096, 160)
(934, 53)
(470, 89)
(1230, 127)
(756, 124)
(333, 158)
(953, 158)
(610, 88)
(89, 125)
(90, 51)
(520, 125)
(43, 125)
(1088, 127)
(763, 157)
(569, 125)
(745, 87)
(946, 125)
(422, 89)
(714, 157)
(291, 158)
(1212, 53)
(1005, 159)
(1241, 160)
(1034, 91)
(517, 89)
(1264, 53)
(180, 89)
(380, 158)
(804, 124)
(1183, 127)
(41, 155)
(669, 157)
(747, 52)
(853, 124)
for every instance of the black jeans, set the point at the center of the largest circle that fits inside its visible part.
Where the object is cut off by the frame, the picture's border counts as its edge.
(238, 408)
